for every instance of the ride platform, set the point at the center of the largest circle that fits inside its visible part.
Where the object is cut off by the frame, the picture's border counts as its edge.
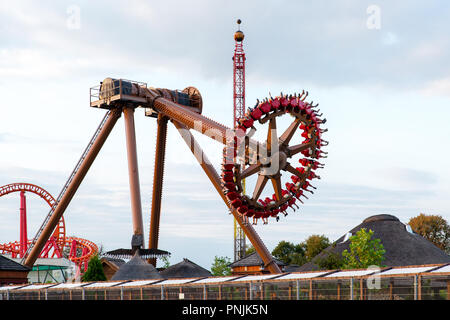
(113, 92)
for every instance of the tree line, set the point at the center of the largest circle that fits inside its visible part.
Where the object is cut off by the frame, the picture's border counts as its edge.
(364, 249)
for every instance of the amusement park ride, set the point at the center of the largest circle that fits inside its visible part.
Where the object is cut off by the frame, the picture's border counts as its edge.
(79, 250)
(288, 166)
(238, 112)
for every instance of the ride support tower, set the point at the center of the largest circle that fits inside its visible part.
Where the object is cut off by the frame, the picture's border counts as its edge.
(238, 113)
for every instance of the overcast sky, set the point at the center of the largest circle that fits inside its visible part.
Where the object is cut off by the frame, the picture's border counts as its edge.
(379, 69)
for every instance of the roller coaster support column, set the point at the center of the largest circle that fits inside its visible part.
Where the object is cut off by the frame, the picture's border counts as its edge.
(133, 176)
(251, 234)
(73, 187)
(157, 183)
(23, 224)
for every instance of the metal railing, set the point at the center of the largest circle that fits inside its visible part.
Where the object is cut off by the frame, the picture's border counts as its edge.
(411, 287)
(105, 91)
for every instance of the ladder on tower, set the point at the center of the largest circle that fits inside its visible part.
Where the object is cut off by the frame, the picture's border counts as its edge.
(66, 185)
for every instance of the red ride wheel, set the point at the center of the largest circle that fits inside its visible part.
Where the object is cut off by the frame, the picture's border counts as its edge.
(273, 158)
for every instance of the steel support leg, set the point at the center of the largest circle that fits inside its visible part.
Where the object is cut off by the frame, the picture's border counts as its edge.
(157, 184)
(23, 224)
(133, 175)
(211, 172)
(72, 188)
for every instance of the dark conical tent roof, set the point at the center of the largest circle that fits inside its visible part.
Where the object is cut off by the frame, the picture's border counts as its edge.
(136, 269)
(185, 269)
(253, 259)
(403, 248)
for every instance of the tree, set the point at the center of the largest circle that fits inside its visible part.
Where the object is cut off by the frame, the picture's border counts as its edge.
(289, 253)
(330, 260)
(314, 245)
(298, 258)
(220, 266)
(364, 251)
(165, 261)
(94, 271)
(434, 228)
(249, 250)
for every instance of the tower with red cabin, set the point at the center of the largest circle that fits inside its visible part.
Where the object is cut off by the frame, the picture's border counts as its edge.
(238, 112)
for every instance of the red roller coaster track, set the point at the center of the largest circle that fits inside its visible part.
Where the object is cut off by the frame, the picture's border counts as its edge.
(79, 250)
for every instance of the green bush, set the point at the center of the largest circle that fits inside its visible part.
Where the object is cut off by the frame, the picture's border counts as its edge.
(364, 251)
(94, 271)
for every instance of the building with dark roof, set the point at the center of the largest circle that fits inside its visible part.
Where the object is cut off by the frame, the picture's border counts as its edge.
(136, 269)
(12, 272)
(252, 264)
(185, 269)
(111, 266)
(403, 246)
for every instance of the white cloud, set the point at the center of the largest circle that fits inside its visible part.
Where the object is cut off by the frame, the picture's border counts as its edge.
(429, 50)
(440, 87)
(375, 124)
(141, 9)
